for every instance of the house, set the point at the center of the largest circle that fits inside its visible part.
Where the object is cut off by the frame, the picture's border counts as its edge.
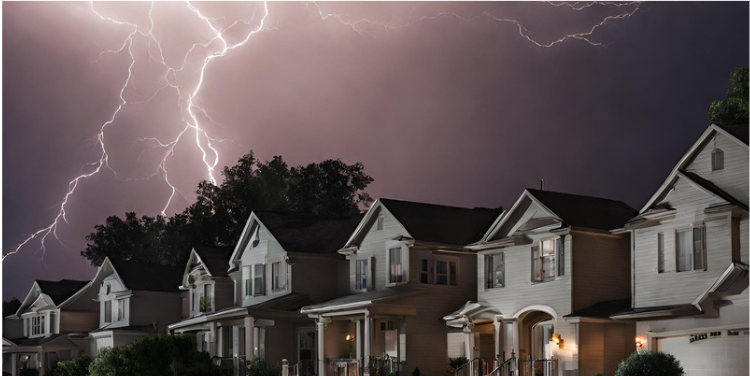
(549, 275)
(256, 289)
(134, 300)
(406, 268)
(690, 258)
(55, 317)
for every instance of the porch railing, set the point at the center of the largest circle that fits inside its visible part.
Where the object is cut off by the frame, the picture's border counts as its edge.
(537, 367)
(229, 366)
(475, 367)
(303, 368)
(506, 368)
(383, 365)
(342, 367)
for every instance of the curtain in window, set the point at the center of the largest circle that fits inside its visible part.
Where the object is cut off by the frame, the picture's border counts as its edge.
(259, 280)
(396, 266)
(699, 261)
(684, 249)
(536, 263)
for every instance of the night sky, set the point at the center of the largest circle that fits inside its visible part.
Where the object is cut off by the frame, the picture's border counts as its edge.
(448, 103)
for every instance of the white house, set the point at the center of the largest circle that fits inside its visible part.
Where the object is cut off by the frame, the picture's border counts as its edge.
(281, 262)
(690, 258)
(133, 300)
(407, 267)
(549, 275)
(56, 317)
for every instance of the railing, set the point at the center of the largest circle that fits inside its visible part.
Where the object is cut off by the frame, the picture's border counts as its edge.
(383, 365)
(475, 367)
(506, 368)
(303, 368)
(538, 367)
(342, 367)
(230, 366)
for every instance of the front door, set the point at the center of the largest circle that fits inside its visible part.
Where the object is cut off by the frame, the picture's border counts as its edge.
(307, 351)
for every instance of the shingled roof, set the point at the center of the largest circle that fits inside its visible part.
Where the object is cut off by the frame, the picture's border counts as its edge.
(585, 211)
(740, 131)
(60, 291)
(216, 259)
(149, 277)
(308, 234)
(442, 224)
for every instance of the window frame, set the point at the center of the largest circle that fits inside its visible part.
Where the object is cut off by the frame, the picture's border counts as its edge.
(259, 291)
(431, 261)
(691, 253)
(540, 267)
(278, 276)
(717, 159)
(361, 277)
(37, 327)
(107, 311)
(491, 270)
(396, 273)
(247, 281)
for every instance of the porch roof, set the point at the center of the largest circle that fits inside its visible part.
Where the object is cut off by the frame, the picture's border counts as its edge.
(471, 313)
(364, 299)
(603, 309)
(41, 343)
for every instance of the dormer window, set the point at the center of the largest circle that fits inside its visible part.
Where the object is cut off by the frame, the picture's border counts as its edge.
(108, 311)
(381, 219)
(717, 160)
(37, 325)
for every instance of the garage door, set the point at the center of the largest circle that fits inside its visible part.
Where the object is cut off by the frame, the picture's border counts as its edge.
(723, 351)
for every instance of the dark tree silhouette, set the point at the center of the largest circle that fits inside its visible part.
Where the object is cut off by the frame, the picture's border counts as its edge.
(733, 109)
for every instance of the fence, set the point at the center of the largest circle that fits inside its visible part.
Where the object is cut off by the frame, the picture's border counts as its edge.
(506, 368)
(537, 367)
(382, 365)
(475, 367)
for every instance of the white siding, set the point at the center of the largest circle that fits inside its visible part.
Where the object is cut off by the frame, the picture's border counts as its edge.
(671, 287)
(733, 177)
(266, 252)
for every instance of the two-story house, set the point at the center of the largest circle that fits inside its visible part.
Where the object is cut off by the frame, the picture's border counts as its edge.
(56, 317)
(134, 300)
(280, 263)
(549, 275)
(690, 258)
(407, 267)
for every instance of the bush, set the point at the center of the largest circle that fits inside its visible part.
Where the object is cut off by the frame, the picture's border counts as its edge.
(261, 368)
(650, 364)
(76, 367)
(456, 363)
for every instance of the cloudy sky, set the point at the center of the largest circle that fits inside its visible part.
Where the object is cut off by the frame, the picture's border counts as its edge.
(460, 104)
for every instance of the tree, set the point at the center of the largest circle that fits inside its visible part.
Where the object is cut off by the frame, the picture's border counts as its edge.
(649, 364)
(733, 109)
(329, 189)
(11, 307)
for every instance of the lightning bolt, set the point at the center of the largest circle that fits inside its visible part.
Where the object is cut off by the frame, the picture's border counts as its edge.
(189, 97)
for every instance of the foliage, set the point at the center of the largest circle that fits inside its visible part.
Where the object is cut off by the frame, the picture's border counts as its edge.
(28, 372)
(330, 188)
(11, 307)
(649, 364)
(456, 363)
(733, 109)
(261, 368)
(76, 367)
(205, 304)
(152, 355)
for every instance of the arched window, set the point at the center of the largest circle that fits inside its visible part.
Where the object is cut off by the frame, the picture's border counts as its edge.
(717, 160)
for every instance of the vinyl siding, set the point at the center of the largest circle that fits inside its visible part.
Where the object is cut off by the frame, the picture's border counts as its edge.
(733, 177)
(742, 299)
(671, 287)
(601, 264)
(266, 252)
(78, 321)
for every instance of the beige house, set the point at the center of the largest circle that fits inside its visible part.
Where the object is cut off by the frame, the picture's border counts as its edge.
(406, 268)
(690, 258)
(244, 301)
(549, 275)
(55, 317)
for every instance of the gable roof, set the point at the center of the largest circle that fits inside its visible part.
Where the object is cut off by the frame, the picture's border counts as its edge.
(738, 133)
(60, 291)
(308, 234)
(585, 211)
(711, 187)
(215, 259)
(440, 223)
(148, 277)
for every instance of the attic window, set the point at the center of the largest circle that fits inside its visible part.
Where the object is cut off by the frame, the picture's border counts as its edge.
(381, 218)
(717, 160)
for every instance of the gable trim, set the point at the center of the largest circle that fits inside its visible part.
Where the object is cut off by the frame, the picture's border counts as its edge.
(505, 216)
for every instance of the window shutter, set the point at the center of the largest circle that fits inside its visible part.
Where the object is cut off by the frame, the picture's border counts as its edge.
(371, 276)
(560, 245)
(536, 261)
(699, 258)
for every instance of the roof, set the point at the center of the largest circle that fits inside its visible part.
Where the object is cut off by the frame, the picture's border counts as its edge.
(146, 277)
(602, 309)
(308, 234)
(216, 259)
(61, 290)
(740, 131)
(586, 211)
(363, 299)
(442, 224)
(711, 187)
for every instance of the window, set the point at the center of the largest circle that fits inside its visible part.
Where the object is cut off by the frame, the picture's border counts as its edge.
(109, 289)
(494, 270)
(247, 278)
(108, 311)
(259, 280)
(360, 275)
(560, 249)
(717, 160)
(543, 258)
(395, 266)
(37, 325)
(438, 271)
(381, 219)
(690, 248)
(660, 252)
(278, 276)
(120, 310)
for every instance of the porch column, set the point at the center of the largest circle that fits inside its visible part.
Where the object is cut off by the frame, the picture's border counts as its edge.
(516, 340)
(498, 324)
(249, 339)
(14, 364)
(321, 347)
(212, 339)
(358, 338)
(468, 348)
(366, 340)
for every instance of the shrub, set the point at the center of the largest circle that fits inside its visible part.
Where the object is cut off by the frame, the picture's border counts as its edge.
(650, 364)
(456, 363)
(261, 368)
(416, 372)
(76, 367)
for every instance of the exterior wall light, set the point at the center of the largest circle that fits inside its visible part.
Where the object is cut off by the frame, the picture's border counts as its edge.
(557, 339)
(639, 343)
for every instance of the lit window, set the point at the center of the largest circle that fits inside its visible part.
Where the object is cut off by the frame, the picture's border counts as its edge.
(717, 160)
(690, 248)
(494, 270)
(396, 266)
(259, 280)
(543, 258)
(361, 275)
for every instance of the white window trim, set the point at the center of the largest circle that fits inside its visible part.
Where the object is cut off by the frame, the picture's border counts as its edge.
(717, 159)
(263, 278)
(364, 274)
(692, 252)
(284, 275)
(555, 253)
(493, 280)
(404, 263)
(432, 274)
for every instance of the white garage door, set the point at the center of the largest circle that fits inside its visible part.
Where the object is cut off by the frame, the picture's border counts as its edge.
(709, 353)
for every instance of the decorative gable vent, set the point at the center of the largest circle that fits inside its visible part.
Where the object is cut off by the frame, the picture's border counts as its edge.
(717, 160)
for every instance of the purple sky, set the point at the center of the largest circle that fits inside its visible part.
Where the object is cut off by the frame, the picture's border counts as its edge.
(450, 103)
